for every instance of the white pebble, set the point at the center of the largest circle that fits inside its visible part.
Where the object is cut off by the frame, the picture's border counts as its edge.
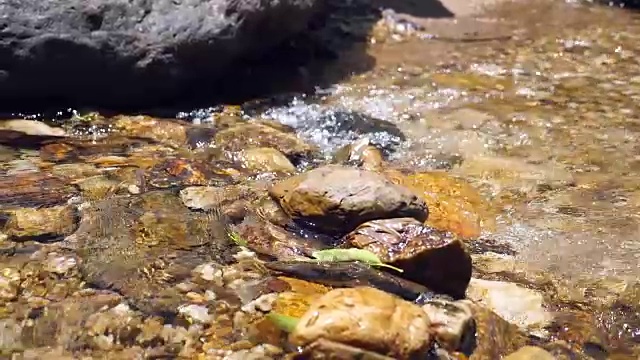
(195, 313)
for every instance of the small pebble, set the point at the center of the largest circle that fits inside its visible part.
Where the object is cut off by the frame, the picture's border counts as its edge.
(264, 303)
(208, 272)
(244, 254)
(59, 264)
(195, 313)
(210, 295)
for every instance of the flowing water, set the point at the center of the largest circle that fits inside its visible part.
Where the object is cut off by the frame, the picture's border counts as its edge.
(545, 121)
(536, 103)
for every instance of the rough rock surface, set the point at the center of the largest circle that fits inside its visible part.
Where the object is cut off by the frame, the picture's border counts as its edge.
(337, 199)
(427, 256)
(367, 318)
(119, 52)
(455, 327)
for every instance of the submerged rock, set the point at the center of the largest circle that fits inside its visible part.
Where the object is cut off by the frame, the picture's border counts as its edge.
(49, 222)
(143, 246)
(530, 353)
(528, 311)
(112, 53)
(266, 160)
(34, 190)
(366, 318)
(169, 131)
(427, 256)
(495, 337)
(336, 199)
(186, 172)
(454, 205)
(453, 324)
(244, 136)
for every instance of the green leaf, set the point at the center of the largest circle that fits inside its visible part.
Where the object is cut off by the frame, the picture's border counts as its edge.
(353, 254)
(283, 322)
(237, 239)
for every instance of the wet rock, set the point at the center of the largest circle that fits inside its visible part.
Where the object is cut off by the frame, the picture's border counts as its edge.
(426, 255)
(495, 337)
(10, 333)
(172, 132)
(561, 350)
(352, 274)
(7, 154)
(143, 246)
(17, 167)
(70, 150)
(454, 205)
(322, 199)
(253, 135)
(63, 323)
(75, 171)
(366, 318)
(208, 197)
(530, 353)
(263, 304)
(98, 187)
(59, 264)
(297, 300)
(185, 172)
(266, 160)
(578, 330)
(528, 312)
(195, 313)
(266, 238)
(326, 349)
(134, 54)
(7, 247)
(34, 190)
(360, 153)
(453, 325)
(31, 127)
(9, 283)
(621, 320)
(270, 210)
(500, 267)
(40, 223)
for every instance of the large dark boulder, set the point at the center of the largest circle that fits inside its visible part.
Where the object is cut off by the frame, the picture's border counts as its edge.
(125, 52)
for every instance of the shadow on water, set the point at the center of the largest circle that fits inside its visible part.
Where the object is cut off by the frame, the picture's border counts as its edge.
(334, 47)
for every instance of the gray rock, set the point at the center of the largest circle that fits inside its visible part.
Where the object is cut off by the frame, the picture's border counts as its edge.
(121, 52)
(336, 199)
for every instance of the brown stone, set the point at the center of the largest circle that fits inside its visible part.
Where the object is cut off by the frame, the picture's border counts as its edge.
(337, 199)
(428, 256)
(366, 318)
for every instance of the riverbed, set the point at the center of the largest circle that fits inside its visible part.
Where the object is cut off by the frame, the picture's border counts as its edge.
(534, 105)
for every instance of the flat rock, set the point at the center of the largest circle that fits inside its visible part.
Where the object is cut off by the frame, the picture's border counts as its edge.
(336, 199)
(118, 52)
(34, 190)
